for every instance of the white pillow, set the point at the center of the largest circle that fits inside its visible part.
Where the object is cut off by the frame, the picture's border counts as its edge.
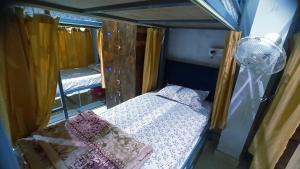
(184, 95)
(95, 67)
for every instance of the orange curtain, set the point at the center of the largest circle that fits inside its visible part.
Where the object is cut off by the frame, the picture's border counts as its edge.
(225, 83)
(152, 57)
(100, 52)
(75, 48)
(29, 53)
(282, 118)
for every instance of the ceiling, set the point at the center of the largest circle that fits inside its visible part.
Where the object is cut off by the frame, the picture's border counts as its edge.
(165, 13)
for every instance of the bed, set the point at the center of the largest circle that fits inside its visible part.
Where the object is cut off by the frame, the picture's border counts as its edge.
(175, 131)
(77, 79)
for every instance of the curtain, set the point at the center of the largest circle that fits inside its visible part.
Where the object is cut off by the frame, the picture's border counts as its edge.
(75, 48)
(29, 54)
(152, 56)
(282, 117)
(100, 49)
(225, 83)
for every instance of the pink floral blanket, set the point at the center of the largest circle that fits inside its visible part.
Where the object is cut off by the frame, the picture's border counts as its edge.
(84, 142)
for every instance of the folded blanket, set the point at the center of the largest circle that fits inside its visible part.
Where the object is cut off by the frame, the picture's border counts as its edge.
(86, 142)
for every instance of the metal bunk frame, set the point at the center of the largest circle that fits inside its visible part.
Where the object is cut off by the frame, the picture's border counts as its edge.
(63, 96)
(213, 7)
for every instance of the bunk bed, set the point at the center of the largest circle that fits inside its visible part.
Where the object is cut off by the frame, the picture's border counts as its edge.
(131, 115)
(76, 80)
(80, 78)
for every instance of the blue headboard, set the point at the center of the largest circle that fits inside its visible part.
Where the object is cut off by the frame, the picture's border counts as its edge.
(192, 76)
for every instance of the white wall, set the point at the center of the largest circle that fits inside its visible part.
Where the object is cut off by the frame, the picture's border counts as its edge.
(270, 17)
(192, 45)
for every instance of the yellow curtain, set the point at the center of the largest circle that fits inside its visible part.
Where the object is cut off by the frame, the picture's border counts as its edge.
(152, 57)
(282, 118)
(75, 48)
(100, 49)
(29, 74)
(225, 83)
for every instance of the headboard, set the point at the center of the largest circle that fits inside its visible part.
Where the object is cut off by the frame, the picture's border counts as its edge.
(192, 76)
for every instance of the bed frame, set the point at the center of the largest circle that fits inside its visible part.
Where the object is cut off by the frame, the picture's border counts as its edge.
(64, 97)
(192, 159)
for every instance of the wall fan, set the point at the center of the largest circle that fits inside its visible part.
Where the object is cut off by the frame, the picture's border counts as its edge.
(263, 55)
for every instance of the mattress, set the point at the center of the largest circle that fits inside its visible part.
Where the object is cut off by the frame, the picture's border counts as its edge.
(171, 128)
(79, 79)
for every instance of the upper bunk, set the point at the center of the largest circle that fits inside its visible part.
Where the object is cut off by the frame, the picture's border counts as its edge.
(201, 14)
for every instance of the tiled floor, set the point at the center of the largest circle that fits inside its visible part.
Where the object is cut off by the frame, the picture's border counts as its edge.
(211, 159)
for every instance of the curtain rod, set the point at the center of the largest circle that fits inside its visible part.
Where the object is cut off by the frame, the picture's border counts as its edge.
(78, 26)
(75, 22)
(80, 23)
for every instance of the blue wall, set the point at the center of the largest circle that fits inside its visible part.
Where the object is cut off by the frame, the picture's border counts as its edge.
(192, 45)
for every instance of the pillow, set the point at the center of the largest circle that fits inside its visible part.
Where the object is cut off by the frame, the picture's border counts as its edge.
(169, 91)
(95, 67)
(197, 95)
(184, 95)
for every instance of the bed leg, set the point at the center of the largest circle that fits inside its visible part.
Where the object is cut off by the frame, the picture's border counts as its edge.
(79, 98)
(62, 97)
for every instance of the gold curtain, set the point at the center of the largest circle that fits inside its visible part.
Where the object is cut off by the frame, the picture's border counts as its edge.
(29, 74)
(152, 57)
(75, 48)
(282, 118)
(100, 49)
(225, 83)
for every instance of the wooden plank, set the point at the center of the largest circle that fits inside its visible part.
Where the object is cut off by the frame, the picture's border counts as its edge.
(119, 57)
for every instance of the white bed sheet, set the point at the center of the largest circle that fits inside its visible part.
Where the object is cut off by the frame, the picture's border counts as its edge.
(171, 128)
(73, 79)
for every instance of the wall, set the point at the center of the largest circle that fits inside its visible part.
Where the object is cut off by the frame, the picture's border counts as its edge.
(270, 16)
(192, 45)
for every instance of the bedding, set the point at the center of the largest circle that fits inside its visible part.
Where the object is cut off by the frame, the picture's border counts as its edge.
(184, 95)
(84, 141)
(171, 128)
(95, 67)
(79, 78)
